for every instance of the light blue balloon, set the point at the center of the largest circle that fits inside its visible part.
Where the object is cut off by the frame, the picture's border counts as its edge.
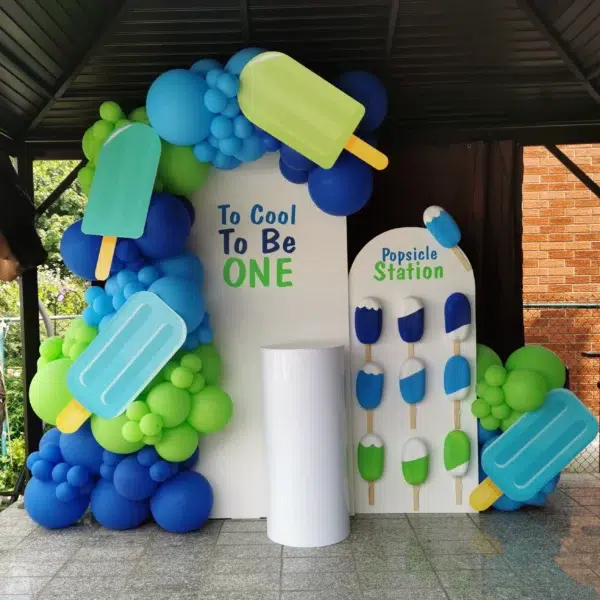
(221, 127)
(252, 149)
(230, 146)
(229, 84)
(222, 161)
(215, 100)
(240, 59)
(204, 152)
(204, 65)
(242, 128)
(232, 109)
(183, 298)
(187, 266)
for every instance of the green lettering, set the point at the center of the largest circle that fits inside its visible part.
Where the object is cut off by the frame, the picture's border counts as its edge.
(256, 273)
(281, 272)
(227, 272)
(438, 273)
(379, 271)
(401, 275)
(427, 272)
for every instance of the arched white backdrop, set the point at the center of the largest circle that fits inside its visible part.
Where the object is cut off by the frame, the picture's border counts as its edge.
(305, 300)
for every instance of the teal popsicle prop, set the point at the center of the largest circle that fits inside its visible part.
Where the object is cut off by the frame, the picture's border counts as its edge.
(121, 189)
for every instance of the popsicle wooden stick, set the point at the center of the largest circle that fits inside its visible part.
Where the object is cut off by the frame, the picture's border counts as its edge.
(370, 417)
(456, 414)
(105, 257)
(413, 416)
(416, 489)
(462, 257)
(373, 157)
(371, 493)
(368, 352)
(458, 491)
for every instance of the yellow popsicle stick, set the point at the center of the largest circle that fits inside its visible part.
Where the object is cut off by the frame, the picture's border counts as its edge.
(366, 152)
(105, 257)
(484, 495)
(72, 417)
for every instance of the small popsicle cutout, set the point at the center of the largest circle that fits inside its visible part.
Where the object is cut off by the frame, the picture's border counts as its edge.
(303, 110)
(415, 466)
(369, 390)
(444, 229)
(457, 456)
(121, 189)
(457, 318)
(371, 455)
(368, 320)
(457, 383)
(411, 322)
(412, 386)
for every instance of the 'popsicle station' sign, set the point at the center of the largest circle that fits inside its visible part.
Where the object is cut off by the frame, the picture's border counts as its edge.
(413, 263)
(275, 265)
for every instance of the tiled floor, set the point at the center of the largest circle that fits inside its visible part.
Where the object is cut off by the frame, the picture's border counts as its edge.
(550, 554)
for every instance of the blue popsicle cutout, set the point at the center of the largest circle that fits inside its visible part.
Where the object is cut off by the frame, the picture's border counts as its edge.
(412, 322)
(412, 381)
(369, 386)
(457, 316)
(368, 318)
(442, 226)
(457, 378)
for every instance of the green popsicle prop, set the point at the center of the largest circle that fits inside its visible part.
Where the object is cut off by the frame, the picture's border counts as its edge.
(457, 455)
(415, 466)
(370, 462)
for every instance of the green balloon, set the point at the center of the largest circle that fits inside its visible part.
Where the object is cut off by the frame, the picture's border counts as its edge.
(502, 411)
(122, 123)
(480, 408)
(49, 393)
(182, 377)
(525, 390)
(180, 171)
(101, 130)
(168, 369)
(85, 177)
(85, 333)
(495, 375)
(211, 363)
(486, 357)
(481, 388)
(139, 115)
(510, 421)
(494, 396)
(192, 362)
(170, 403)
(197, 385)
(178, 443)
(51, 349)
(490, 423)
(542, 360)
(76, 350)
(68, 343)
(137, 410)
(111, 111)
(109, 434)
(132, 433)
(42, 362)
(89, 145)
(151, 425)
(211, 409)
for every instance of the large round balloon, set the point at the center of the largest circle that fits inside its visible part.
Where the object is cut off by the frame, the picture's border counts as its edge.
(486, 357)
(43, 506)
(132, 480)
(240, 59)
(177, 443)
(186, 266)
(370, 92)
(48, 393)
(80, 251)
(80, 448)
(211, 410)
(180, 171)
(183, 503)
(175, 107)
(108, 433)
(211, 363)
(525, 390)
(538, 358)
(167, 227)
(344, 189)
(114, 511)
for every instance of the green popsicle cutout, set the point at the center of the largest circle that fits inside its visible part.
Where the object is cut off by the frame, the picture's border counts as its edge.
(370, 461)
(415, 466)
(457, 455)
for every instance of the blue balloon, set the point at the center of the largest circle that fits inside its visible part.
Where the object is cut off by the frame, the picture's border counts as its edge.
(81, 448)
(80, 252)
(42, 470)
(175, 107)
(295, 160)
(65, 492)
(229, 84)
(344, 189)
(92, 293)
(225, 162)
(204, 151)
(51, 452)
(167, 228)
(186, 266)
(252, 149)
(183, 298)
(43, 506)
(148, 275)
(127, 251)
(32, 459)
(189, 207)
(204, 65)
(59, 473)
(162, 470)
(183, 503)
(91, 317)
(133, 288)
(215, 101)
(111, 287)
(148, 456)
(132, 480)
(52, 436)
(240, 59)
(370, 92)
(78, 476)
(221, 127)
(291, 174)
(113, 511)
(232, 109)
(103, 305)
(192, 461)
(107, 472)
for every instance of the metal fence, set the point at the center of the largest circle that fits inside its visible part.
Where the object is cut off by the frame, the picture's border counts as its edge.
(570, 330)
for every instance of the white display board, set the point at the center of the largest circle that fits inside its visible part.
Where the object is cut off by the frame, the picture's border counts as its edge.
(400, 263)
(262, 287)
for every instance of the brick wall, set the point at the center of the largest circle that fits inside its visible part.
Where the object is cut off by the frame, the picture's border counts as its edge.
(561, 260)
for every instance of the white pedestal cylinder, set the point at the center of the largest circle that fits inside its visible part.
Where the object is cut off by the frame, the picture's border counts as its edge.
(305, 436)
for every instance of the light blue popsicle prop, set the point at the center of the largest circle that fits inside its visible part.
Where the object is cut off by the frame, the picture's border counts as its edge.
(411, 322)
(444, 229)
(457, 383)
(535, 449)
(412, 384)
(457, 318)
(369, 386)
(122, 360)
(121, 189)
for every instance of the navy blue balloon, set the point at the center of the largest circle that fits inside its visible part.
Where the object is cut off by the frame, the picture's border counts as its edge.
(240, 59)
(113, 511)
(183, 503)
(292, 175)
(344, 189)
(191, 462)
(43, 506)
(189, 207)
(81, 448)
(176, 109)
(167, 227)
(132, 480)
(182, 297)
(370, 92)
(186, 266)
(294, 159)
(80, 252)
(127, 251)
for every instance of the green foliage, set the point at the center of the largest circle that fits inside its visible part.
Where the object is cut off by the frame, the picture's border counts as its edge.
(11, 465)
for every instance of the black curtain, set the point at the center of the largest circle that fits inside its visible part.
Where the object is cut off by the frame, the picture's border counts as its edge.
(480, 184)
